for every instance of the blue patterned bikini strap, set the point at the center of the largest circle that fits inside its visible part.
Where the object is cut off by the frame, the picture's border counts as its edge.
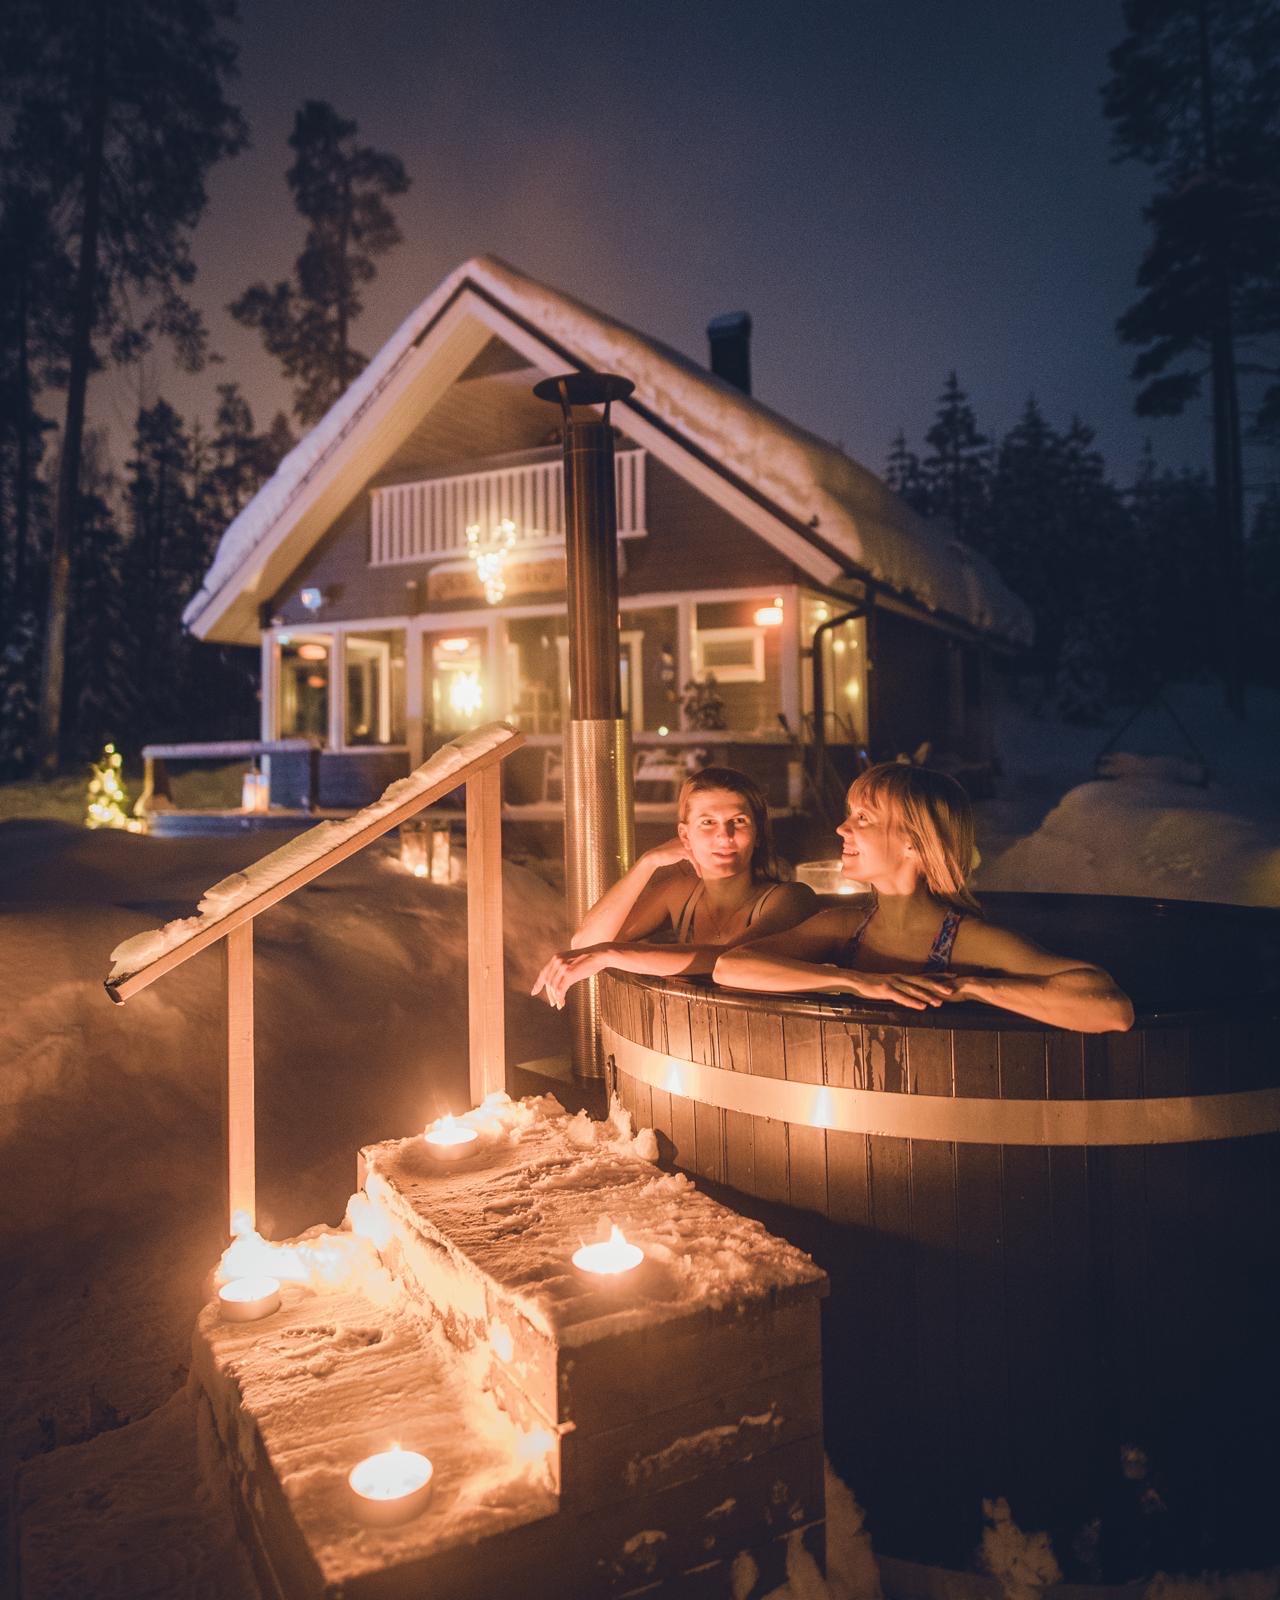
(940, 956)
(845, 958)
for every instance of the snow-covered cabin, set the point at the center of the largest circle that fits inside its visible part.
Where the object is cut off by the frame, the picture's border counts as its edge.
(739, 534)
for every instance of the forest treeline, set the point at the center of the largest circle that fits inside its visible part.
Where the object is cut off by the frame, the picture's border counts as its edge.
(1120, 576)
(113, 113)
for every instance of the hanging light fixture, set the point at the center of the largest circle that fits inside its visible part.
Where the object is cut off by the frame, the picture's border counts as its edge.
(490, 557)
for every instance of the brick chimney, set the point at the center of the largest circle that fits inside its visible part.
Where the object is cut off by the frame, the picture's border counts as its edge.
(730, 337)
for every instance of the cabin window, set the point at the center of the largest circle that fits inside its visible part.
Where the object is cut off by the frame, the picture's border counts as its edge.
(734, 655)
(744, 657)
(534, 652)
(375, 687)
(305, 660)
(459, 694)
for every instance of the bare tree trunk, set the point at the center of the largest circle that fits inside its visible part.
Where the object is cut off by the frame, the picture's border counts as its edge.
(22, 499)
(67, 499)
(1228, 476)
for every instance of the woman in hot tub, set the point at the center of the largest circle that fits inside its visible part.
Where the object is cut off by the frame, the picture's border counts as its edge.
(716, 884)
(922, 941)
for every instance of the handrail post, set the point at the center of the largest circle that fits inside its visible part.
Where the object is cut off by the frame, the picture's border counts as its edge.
(238, 1096)
(486, 996)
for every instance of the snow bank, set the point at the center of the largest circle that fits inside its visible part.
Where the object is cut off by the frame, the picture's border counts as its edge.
(361, 1025)
(1149, 836)
(807, 479)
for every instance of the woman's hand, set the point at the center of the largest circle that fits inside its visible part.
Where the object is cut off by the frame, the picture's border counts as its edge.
(669, 854)
(567, 968)
(916, 990)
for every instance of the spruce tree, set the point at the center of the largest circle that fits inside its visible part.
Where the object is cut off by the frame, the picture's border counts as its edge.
(116, 113)
(1193, 93)
(957, 468)
(1025, 530)
(341, 187)
(904, 476)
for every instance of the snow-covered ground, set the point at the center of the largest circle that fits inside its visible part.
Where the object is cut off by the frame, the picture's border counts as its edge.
(109, 1121)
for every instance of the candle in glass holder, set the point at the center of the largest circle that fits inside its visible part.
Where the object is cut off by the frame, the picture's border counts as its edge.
(247, 1299)
(390, 1487)
(610, 1258)
(448, 1140)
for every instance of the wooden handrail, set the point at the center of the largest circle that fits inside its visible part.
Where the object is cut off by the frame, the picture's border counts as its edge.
(483, 752)
(206, 929)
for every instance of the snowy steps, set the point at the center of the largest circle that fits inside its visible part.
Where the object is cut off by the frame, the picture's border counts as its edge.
(619, 1441)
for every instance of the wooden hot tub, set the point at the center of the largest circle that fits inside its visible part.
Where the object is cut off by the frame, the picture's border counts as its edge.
(1055, 1257)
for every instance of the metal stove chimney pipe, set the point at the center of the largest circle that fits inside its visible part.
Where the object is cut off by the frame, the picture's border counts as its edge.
(598, 829)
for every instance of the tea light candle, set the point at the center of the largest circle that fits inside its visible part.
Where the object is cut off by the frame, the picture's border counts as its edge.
(247, 1299)
(611, 1257)
(390, 1487)
(448, 1140)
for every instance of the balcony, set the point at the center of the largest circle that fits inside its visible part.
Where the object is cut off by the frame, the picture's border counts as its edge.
(428, 520)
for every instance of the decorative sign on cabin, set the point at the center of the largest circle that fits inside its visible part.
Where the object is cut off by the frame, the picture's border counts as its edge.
(456, 585)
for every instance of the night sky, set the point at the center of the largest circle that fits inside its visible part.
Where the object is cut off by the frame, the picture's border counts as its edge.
(891, 187)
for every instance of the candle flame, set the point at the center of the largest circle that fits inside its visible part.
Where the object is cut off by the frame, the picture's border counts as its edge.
(612, 1256)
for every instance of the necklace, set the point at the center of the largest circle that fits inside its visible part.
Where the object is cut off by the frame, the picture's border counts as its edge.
(718, 927)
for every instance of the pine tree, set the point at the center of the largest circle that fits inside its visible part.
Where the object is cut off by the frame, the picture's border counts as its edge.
(1025, 527)
(117, 113)
(341, 188)
(1172, 516)
(904, 476)
(957, 469)
(1193, 93)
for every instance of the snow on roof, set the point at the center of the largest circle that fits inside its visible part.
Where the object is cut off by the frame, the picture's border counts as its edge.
(803, 478)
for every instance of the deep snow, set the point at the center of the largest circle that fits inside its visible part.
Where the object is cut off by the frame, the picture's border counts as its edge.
(109, 1126)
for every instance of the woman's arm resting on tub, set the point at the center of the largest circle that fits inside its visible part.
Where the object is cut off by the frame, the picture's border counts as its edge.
(801, 961)
(639, 902)
(1018, 976)
(786, 905)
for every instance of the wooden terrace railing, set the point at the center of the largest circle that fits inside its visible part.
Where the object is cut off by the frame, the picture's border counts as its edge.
(475, 760)
(412, 521)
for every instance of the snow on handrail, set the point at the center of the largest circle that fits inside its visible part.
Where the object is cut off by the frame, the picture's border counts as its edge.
(144, 957)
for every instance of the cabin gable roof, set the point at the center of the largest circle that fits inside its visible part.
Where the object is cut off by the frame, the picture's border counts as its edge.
(823, 512)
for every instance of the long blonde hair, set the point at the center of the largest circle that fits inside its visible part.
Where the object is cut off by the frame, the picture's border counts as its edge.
(934, 813)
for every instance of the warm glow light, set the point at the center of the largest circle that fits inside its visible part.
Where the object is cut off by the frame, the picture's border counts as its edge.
(458, 647)
(420, 871)
(610, 1257)
(315, 682)
(663, 731)
(312, 652)
(390, 1487)
(465, 693)
(769, 616)
(448, 1140)
(247, 1299)
(491, 558)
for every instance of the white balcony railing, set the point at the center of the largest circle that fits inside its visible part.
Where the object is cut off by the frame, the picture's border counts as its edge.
(429, 519)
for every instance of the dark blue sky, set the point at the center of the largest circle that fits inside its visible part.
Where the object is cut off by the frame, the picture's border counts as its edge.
(891, 187)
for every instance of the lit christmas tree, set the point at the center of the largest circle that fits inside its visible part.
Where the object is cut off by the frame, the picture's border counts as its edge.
(108, 801)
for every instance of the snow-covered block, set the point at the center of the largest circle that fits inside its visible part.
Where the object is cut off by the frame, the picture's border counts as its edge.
(702, 1362)
(337, 1374)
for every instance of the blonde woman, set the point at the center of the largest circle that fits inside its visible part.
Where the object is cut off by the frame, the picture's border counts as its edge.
(922, 941)
(716, 885)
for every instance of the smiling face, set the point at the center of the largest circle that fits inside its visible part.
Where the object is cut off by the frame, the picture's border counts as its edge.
(719, 833)
(874, 850)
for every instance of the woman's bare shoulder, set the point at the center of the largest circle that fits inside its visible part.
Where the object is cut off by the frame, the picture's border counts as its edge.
(987, 945)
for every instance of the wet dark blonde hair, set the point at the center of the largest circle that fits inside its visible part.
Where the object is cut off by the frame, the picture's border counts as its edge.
(764, 858)
(934, 813)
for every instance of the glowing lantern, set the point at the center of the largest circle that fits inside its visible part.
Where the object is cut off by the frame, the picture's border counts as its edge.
(448, 1140)
(390, 1487)
(465, 693)
(248, 1299)
(610, 1258)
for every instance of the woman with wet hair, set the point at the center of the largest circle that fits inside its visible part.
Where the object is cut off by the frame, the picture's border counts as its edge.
(716, 885)
(922, 941)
